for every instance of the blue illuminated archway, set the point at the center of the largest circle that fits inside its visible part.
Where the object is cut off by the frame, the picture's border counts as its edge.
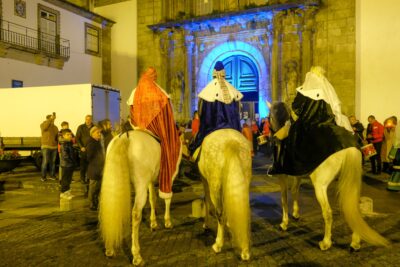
(233, 48)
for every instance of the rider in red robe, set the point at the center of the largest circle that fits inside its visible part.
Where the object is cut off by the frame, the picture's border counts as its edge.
(151, 110)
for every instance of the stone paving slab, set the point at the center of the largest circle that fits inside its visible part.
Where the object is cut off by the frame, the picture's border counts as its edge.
(34, 232)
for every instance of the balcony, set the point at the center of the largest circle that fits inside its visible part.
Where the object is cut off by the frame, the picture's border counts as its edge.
(30, 40)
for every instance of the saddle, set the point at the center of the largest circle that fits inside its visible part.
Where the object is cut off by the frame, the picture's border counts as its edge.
(129, 127)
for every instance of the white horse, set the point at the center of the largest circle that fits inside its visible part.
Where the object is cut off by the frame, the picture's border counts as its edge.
(344, 164)
(132, 158)
(225, 165)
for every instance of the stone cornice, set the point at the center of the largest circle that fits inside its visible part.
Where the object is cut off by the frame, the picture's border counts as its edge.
(259, 11)
(82, 12)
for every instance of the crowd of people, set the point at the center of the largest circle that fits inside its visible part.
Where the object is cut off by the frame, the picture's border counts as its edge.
(383, 139)
(86, 149)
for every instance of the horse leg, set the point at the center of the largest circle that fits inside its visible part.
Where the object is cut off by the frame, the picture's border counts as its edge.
(284, 202)
(140, 201)
(295, 197)
(355, 242)
(219, 240)
(152, 200)
(207, 201)
(322, 197)
(167, 216)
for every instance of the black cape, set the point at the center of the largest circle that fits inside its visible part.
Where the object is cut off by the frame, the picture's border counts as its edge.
(313, 137)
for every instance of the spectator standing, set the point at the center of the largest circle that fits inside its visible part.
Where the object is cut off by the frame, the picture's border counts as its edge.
(389, 140)
(358, 129)
(82, 137)
(256, 133)
(106, 133)
(246, 131)
(64, 125)
(67, 163)
(49, 146)
(375, 136)
(266, 127)
(95, 157)
(195, 123)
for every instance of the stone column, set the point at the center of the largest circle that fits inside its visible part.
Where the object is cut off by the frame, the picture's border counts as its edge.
(177, 73)
(164, 56)
(307, 33)
(190, 85)
(276, 35)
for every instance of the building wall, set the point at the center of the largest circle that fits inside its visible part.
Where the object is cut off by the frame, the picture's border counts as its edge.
(334, 48)
(123, 48)
(332, 30)
(80, 68)
(378, 59)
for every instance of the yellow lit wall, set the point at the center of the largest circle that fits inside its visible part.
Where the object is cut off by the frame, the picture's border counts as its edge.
(123, 48)
(378, 59)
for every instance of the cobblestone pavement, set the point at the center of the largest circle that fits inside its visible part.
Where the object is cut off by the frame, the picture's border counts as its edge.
(34, 232)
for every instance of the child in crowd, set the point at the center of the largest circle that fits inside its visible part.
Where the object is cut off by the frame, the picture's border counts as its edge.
(67, 163)
(95, 157)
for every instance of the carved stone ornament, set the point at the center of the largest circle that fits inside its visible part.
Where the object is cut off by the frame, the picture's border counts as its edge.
(20, 8)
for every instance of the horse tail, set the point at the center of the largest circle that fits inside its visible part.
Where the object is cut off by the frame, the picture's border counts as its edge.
(349, 196)
(115, 199)
(235, 188)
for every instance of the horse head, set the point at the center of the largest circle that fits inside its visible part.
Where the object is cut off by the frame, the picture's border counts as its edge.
(279, 114)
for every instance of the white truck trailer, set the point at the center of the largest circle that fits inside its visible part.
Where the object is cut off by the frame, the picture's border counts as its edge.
(22, 110)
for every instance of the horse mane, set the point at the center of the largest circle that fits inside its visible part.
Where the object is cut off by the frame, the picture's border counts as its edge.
(280, 112)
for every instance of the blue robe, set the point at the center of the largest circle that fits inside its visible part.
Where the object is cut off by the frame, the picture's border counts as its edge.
(214, 116)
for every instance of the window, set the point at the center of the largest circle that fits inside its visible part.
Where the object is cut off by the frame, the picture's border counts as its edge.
(17, 83)
(92, 39)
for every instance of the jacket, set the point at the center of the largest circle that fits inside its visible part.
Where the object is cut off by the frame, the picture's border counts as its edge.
(375, 129)
(95, 157)
(67, 159)
(49, 134)
(83, 135)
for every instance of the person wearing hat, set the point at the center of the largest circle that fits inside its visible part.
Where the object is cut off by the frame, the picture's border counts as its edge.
(95, 157)
(150, 109)
(219, 104)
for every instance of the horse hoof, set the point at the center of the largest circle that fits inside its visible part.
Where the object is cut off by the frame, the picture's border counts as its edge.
(205, 226)
(153, 226)
(109, 253)
(323, 246)
(296, 217)
(245, 256)
(283, 227)
(168, 225)
(216, 248)
(137, 261)
(354, 248)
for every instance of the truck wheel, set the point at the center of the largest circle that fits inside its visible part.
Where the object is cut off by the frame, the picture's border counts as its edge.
(37, 159)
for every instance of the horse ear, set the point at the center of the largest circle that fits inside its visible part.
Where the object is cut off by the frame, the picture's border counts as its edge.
(268, 104)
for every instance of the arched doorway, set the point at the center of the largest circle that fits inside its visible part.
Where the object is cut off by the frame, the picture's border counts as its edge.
(254, 61)
(242, 73)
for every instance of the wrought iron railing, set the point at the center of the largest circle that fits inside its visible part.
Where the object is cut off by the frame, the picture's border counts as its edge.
(24, 37)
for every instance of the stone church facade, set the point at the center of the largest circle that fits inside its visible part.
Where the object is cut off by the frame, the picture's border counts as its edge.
(267, 46)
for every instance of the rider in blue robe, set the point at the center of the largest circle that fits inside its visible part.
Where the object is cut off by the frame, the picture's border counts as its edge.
(219, 105)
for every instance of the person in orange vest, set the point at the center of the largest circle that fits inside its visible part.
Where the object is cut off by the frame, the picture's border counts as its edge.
(247, 132)
(195, 123)
(150, 109)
